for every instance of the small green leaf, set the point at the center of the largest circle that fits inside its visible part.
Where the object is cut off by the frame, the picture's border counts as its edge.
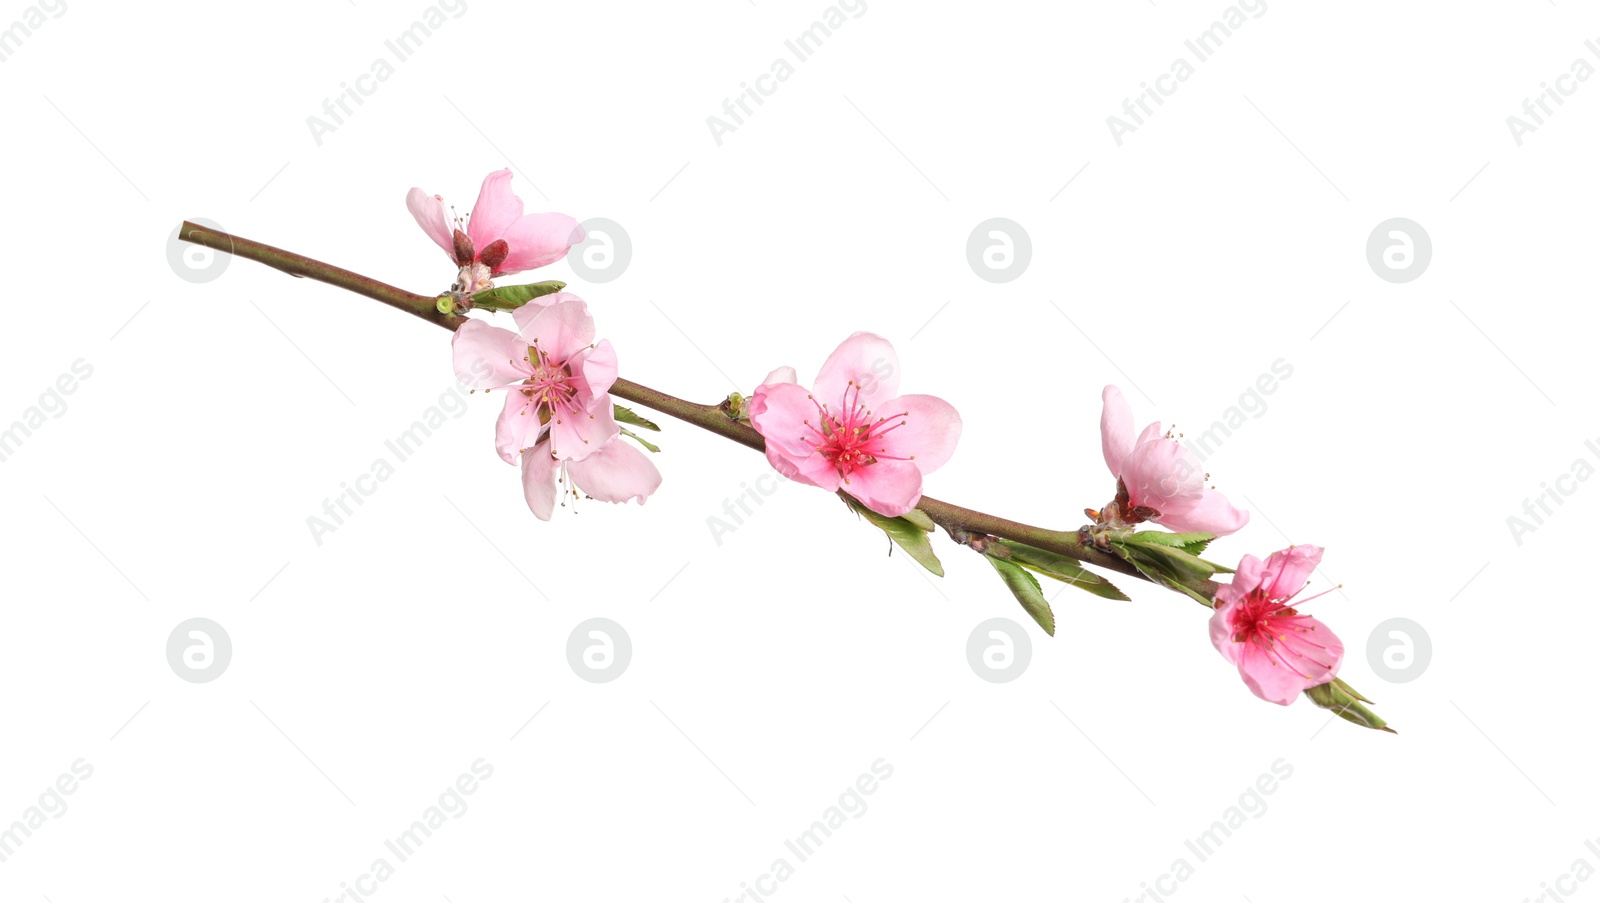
(906, 534)
(1062, 568)
(1166, 566)
(921, 519)
(626, 415)
(511, 297)
(1193, 543)
(635, 437)
(1025, 587)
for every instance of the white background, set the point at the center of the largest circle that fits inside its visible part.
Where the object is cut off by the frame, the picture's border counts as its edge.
(772, 669)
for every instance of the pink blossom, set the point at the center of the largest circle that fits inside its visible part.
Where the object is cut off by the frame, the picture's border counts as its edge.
(499, 239)
(833, 437)
(555, 377)
(1280, 652)
(615, 473)
(558, 415)
(1160, 476)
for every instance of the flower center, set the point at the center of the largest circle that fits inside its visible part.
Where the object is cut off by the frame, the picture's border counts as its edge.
(850, 437)
(551, 390)
(1283, 634)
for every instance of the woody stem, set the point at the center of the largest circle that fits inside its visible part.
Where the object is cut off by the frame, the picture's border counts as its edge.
(712, 418)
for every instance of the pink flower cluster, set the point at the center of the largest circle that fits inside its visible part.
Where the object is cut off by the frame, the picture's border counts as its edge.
(558, 417)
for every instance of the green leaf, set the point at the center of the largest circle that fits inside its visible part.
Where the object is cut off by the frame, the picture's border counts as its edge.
(921, 519)
(635, 437)
(1193, 543)
(626, 415)
(1025, 587)
(905, 533)
(1060, 567)
(1166, 566)
(511, 297)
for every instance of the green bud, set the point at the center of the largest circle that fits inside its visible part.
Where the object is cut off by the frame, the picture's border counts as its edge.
(1342, 699)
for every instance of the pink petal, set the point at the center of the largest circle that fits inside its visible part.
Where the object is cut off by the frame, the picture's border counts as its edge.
(1163, 475)
(1116, 428)
(928, 438)
(560, 329)
(428, 211)
(1222, 622)
(779, 412)
(1246, 577)
(537, 240)
(785, 414)
(1287, 571)
(781, 375)
(598, 366)
(1267, 677)
(1213, 514)
(497, 208)
(616, 473)
(518, 427)
(890, 488)
(812, 470)
(488, 357)
(577, 435)
(866, 360)
(539, 481)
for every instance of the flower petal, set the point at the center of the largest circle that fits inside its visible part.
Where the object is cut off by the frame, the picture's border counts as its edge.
(497, 208)
(616, 473)
(1287, 571)
(888, 487)
(784, 413)
(579, 434)
(1116, 428)
(537, 240)
(539, 481)
(598, 367)
(518, 427)
(781, 375)
(488, 357)
(1163, 475)
(1222, 622)
(929, 435)
(560, 329)
(1213, 514)
(1267, 677)
(428, 211)
(866, 360)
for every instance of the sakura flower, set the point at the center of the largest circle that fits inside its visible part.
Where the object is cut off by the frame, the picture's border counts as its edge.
(833, 435)
(499, 239)
(558, 416)
(554, 376)
(1280, 652)
(1157, 478)
(616, 472)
